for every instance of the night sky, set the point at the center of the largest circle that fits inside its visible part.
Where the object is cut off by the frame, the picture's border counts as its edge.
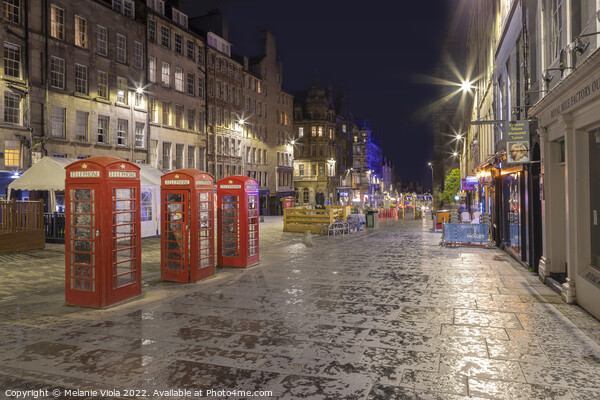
(373, 50)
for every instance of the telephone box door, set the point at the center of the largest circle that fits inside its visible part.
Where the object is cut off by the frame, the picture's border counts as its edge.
(205, 262)
(230, 228)
(175, 237)
(125, 266)
(83, 246)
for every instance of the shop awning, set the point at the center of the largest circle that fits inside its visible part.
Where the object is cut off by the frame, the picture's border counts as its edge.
(49, 174)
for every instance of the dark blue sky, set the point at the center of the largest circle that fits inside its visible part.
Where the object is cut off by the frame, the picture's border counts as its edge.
(372, 49)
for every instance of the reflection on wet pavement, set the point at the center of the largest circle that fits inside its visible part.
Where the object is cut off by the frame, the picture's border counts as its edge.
(383, 315)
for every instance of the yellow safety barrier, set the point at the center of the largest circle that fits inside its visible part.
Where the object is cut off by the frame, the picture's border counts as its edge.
(308, 219)
(345, 210)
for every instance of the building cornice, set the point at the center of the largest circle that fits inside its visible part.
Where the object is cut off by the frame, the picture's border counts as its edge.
(583, 71)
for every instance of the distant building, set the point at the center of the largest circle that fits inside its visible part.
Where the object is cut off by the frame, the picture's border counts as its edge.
(268, 110)
(315, 146)
(367, 167)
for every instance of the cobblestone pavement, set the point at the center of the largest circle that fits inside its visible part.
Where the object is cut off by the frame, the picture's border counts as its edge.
(383, 314)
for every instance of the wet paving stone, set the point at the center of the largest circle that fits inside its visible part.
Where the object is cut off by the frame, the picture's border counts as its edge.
(474, 331)
(383, 392)
(315, 388)
(447, 383)
(481, 367)
(497, 389)
(386, 315)
(401, 358)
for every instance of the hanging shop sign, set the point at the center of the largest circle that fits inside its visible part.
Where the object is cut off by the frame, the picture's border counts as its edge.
(469, 183)
(517, 143)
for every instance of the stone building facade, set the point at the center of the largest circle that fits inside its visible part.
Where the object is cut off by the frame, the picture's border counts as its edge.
(176, 90)
(70, 80)
(315, 146)
(274, 118)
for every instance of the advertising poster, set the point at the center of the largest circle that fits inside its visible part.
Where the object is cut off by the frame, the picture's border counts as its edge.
(517, 143)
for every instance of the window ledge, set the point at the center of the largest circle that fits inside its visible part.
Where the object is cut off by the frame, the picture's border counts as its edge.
(102, 100)
(123, 105)
(82, 95)
(100, 144)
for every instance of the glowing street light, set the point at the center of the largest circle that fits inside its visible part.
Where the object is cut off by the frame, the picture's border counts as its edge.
(466, 86)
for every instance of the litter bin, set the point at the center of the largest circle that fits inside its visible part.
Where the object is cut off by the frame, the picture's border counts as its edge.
(370, 217)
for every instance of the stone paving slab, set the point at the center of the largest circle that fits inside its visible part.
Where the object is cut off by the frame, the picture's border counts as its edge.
(382, 314)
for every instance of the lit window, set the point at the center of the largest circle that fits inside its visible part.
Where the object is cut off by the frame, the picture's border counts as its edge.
(101, 40)
(12, 153)
(314, 131)
(57, 22)
(122, 90)
(12, 60)
(301, 132)
(81, 32)
(12, 108)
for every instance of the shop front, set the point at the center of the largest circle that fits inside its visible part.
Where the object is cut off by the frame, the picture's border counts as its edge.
(569, 127)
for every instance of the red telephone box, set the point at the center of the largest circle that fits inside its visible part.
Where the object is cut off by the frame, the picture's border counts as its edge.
(288, 202)
(102, 232)
(187, 237)
(237, 222)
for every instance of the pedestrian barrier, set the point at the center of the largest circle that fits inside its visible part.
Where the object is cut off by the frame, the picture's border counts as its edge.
(388, 214)
(466, 234)
(54, 227)
(308, 219)
(21, 225)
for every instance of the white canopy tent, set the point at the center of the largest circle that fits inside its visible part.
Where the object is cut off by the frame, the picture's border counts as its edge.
(49, 174)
